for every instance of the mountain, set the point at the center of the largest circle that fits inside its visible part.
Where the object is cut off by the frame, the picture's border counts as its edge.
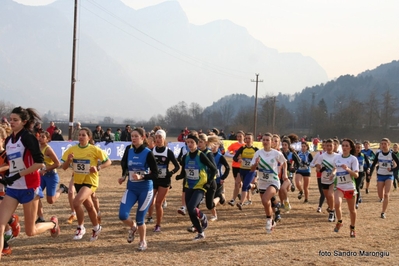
(135, 63)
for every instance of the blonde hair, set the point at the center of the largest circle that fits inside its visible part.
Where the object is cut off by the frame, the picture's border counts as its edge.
(203, 137)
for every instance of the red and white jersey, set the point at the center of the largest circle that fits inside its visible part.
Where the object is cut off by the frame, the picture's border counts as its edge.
(19, 159)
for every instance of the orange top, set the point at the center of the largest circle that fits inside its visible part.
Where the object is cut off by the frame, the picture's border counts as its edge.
(233, 148)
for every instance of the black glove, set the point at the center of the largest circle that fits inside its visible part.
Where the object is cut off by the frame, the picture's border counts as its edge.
(323, 169)
(168, 175)
(291, 169)
(180, 176)
(207, 186)
(8, 181)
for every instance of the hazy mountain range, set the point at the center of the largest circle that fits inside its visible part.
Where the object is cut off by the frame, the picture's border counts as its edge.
(135, 63)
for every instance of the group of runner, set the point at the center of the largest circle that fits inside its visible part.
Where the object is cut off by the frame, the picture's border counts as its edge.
(29, 166)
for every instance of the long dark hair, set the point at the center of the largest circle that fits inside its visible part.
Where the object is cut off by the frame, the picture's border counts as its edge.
(29, 114)
(141, 132)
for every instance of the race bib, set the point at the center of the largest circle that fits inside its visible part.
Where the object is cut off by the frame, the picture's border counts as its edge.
(246, 163)
(192, 174)
(81, 166)
(16, 163)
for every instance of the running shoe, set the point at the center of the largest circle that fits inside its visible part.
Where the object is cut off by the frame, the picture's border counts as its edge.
(204, 222)
(71, 219)
(360, 200)
(383, 215)
(287, 206)
(40, 220)
(222, 200)
(300, 194)
(248, 202)
(182, 210)
(164, 204)
(96, 233)
(337, 227)
(270, 224)
(191, 229)
(64, 188)
(239, 196)
(150, 220)
(157, 229)
(357, 206)
(213, 218)
(292, 187)
(331, 216)
(232, 202)
(381, 200)
(353, 233)
(8, 238)
(14, 224)
(199, 236)
(367, 191)
(56, 229)
(132, 231)
(239, 206)
(306, 201)
(142, 246)
(79, 233)
(277, 218)
(319, 209)
(6, 251)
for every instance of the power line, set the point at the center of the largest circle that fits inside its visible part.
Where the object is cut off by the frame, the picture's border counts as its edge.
(209, 66)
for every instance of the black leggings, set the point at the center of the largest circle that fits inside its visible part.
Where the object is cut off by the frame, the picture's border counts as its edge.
(322, 197)
(210, 195)
(193, 198)
(358, 182)
(395, 178)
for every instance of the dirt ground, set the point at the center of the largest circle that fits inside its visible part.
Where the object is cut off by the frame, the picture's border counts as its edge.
(303, 237)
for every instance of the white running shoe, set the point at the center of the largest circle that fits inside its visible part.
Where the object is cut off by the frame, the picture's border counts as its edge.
(269, 225)
(213, 218)
(142, 246)
(80, 231)
(331, 216)
(164, 204)
(95, 234)
(131, 232)
(182, 210)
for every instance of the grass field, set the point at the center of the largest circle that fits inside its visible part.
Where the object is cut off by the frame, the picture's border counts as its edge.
(303, 237)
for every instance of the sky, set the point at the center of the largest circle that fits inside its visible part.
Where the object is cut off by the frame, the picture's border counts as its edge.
(344, 37)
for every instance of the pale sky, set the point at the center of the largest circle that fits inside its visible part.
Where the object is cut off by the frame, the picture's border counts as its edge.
(344, 37)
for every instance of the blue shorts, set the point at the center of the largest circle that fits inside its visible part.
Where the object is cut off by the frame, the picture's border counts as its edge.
(383, 178)
(49, 182)
(24, 195)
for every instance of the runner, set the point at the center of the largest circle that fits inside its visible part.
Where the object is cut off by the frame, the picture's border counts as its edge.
(325, 165)
(232, 149)
(48, 175)
(364, 167)
(346, 168)
(370, 155)
(23, 181)
(194, 169)
(139, 164)
(267, 160)
(84, 159)
(163, 155)
(387, 162)
(303, 172)
(244, 156)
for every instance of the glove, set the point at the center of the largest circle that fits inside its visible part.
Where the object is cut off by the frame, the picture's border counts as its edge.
(180, 176)
(322, 169)
(168, 175)
(8, 181)
(291, 169)
(207, 186)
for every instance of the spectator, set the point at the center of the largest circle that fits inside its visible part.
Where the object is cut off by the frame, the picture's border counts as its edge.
(75, 133)
(182, 136)
(186, 131)
(118, 135)
(222, 135)
(108, 136)
(57, 135)
(98, 134)
(37, 129)
(51, 128)
(232, 136)
(315, 143)
(125, 136)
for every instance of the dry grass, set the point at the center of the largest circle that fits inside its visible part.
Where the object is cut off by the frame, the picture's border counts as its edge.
(237, 238)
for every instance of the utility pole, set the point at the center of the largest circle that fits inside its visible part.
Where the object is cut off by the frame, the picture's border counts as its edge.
(256, 103)
(73, 79)
(274, 112)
